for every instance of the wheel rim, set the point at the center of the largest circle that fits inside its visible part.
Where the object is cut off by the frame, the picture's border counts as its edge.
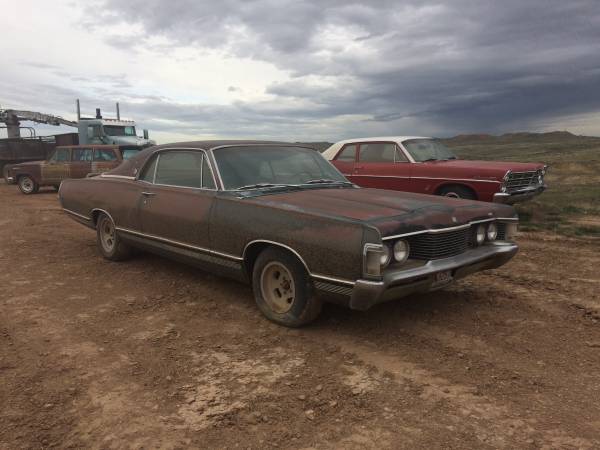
(107, 235)
(452, 194)
(26, 184)
(277, 287)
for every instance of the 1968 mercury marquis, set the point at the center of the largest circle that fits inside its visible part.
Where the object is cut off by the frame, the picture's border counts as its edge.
(283, 218)
(425, 165)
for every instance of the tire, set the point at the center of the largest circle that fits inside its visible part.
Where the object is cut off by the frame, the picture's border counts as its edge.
(457, 192)
(28, 185)
(109, 243)
(282, 289)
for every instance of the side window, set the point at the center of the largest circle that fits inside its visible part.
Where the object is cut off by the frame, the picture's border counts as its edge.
(179, 168)
(207, 177)
(348, 153)
(93, 132)
(82, 154)
(104, 155)
(148, 173)
(378, 152)
(61, 155)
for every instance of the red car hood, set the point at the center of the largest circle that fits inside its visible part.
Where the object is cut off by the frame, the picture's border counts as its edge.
(392, 212)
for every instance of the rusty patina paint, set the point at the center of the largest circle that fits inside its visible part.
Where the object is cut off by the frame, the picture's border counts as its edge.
(327, 227)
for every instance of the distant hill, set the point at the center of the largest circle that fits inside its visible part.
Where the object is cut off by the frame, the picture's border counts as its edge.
(523, 136)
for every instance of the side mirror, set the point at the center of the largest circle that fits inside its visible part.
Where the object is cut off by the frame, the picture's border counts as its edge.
(146, 135)
(97, 132)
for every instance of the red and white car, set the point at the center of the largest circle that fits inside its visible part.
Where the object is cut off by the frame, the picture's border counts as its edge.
(427, 166)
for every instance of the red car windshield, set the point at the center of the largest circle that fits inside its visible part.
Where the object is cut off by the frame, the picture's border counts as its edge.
(428, 150)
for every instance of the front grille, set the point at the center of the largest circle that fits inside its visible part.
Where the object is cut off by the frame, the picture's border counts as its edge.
(439, 245)
(501, 231)
(521, 180)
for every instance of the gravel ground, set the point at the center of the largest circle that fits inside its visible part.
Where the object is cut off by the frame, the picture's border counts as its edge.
(153, 354)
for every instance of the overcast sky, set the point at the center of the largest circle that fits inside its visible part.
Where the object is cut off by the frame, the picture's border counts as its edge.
(308, 70)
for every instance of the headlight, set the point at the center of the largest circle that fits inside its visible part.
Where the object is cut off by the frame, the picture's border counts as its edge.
(385, 257)
(492, 232)
(401, 250)
(480, 234)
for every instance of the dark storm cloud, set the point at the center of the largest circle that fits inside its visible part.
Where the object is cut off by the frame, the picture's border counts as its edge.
(454, 66)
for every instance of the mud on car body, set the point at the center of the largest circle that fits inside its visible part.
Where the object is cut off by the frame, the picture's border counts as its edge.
(279, 216)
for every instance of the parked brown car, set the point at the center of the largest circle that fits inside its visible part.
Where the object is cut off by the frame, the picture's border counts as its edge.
(283, 218)
(76, 161)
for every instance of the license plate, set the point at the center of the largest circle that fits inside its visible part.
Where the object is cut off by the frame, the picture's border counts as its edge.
(441, 279)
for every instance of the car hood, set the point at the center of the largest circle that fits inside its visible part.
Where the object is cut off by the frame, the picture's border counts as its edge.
(489, 167)
(391, 212)
(135, 141)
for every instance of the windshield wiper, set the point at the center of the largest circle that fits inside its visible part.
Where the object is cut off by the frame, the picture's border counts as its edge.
(326, 181)
(430, 159)
(262, 186)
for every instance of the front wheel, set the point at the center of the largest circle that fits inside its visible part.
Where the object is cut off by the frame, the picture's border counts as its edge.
(457, 192)
(28, 185)
(109, 243)
(282, 289)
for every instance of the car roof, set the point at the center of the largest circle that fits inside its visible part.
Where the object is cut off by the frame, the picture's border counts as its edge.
(332, 151)
(130, 166)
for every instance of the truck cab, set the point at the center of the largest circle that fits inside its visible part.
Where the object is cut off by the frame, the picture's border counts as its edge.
(101, 131)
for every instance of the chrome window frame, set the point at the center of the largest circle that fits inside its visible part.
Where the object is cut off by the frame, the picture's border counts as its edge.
(180, 149)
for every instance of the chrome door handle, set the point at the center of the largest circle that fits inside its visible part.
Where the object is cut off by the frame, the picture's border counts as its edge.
(148, 194)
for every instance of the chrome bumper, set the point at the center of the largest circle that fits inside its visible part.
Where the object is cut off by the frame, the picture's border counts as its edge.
(518, 196)
(399, 283)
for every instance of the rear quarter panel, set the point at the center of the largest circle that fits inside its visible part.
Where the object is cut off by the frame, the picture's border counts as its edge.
(118, 197)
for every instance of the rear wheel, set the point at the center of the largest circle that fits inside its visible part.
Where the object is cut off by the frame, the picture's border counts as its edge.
(109, 243)
(28, 185)
(282, 289)
(457, 192)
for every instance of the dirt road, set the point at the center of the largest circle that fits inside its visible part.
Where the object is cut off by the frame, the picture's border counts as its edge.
(153, 354)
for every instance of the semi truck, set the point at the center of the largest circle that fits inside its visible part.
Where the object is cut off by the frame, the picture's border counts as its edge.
(90, 130)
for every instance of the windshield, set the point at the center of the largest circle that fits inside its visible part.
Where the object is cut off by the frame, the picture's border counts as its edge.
(428, 150)
(259, 166)
(114, 130)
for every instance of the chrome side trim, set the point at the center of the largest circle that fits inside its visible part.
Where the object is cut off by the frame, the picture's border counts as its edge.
(124, 177)
(312, 275)
(334, 279)
(459, 179)
(443, 230)
(81, 216)
(179, 243)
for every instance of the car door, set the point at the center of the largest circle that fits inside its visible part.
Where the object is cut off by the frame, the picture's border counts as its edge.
(382, 165)
(57, 168)
(345, 159)
(176, 198)
(81, 162)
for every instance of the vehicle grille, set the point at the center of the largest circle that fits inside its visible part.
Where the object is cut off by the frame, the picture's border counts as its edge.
(501, 231)
(439, 245)
(521, 180)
